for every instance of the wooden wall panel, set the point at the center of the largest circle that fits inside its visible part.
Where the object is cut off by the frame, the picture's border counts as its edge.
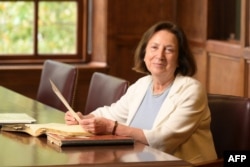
(246, 56)
(127, 21)
(226, 68)
(247, 76)
(124, 61)
(21, 79)
(225, 74)
(246, 53)
(201, 61)
(192, 16)
(134, 17)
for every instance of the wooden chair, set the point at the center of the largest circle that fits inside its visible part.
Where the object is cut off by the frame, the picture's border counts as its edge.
(230, 125)
(65, 78)
(104, 90)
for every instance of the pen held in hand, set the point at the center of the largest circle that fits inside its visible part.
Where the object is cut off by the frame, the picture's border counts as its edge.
(63, 100)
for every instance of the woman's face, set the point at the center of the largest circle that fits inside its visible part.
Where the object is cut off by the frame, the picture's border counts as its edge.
(161, 55)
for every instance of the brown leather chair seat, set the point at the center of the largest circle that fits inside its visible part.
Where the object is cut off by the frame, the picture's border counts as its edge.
(104, 89)
(230, 122)
(65, 78)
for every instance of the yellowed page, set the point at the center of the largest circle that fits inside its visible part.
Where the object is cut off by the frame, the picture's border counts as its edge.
(58, 128)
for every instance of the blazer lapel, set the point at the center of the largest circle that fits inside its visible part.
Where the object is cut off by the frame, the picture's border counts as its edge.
(139, 93)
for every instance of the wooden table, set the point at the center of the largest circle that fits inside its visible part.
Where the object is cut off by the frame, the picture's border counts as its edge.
(19, 149)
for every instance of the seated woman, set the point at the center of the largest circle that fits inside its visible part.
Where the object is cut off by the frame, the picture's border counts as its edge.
(167, 109)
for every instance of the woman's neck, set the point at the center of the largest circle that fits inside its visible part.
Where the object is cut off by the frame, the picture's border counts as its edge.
(160, 85)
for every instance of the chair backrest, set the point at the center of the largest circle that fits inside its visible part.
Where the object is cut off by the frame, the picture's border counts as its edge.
(65, 78)
(104, 90)
(230, 122)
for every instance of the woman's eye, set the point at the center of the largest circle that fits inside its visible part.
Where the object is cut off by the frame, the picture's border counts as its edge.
(154, 47)
(169, 50)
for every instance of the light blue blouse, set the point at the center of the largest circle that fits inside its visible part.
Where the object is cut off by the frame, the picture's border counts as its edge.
(149, 108)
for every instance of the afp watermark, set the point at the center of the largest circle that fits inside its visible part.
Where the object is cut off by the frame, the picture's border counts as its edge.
(236, 158)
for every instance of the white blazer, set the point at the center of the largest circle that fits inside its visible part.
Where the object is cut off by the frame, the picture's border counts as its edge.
(182, 126)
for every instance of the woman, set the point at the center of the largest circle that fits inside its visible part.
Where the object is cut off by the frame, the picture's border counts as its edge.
(167, 109)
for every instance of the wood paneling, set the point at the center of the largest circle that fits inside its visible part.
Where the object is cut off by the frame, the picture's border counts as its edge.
(225, 74)
(246, 52)
(246, 55)
(21, 79)
(201, 60)
(226, 68)
(192, 16)
(127, 21)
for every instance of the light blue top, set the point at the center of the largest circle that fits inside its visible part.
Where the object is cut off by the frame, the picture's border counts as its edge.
(149, 108)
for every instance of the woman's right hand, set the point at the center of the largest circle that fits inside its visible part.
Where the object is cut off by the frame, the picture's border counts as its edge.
(70, 120)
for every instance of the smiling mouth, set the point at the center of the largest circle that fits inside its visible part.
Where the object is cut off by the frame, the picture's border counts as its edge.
(159, 64)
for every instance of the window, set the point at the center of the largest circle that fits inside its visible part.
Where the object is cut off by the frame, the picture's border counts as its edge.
(42, 29)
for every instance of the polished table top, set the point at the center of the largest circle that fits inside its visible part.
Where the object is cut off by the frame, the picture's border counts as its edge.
(19, 149)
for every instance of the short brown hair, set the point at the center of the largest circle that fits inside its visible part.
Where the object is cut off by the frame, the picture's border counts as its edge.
(186, 61)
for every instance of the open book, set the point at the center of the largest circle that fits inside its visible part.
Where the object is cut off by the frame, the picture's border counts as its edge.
(54, 128)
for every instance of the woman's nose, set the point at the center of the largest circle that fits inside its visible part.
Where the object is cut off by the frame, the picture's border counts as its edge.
(160, 53)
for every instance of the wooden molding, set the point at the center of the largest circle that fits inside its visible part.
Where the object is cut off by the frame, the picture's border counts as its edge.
(228, 48)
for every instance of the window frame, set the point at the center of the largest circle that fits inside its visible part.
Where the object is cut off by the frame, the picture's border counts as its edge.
(81, 55)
